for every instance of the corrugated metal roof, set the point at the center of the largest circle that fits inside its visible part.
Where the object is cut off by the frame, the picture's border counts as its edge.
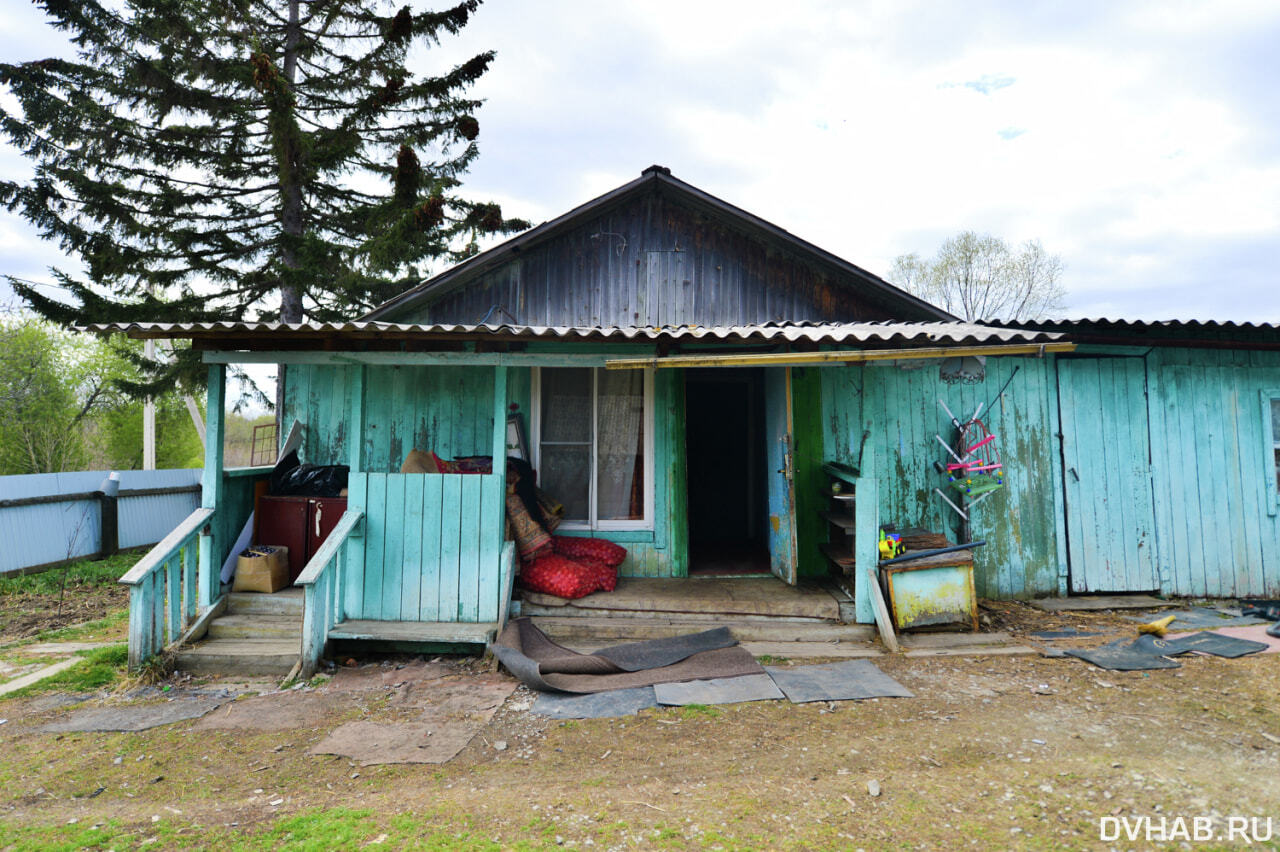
(1210, 334)
(1141, 325)
(923, 333)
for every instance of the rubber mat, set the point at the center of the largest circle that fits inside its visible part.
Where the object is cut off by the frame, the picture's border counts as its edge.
(1127, 655)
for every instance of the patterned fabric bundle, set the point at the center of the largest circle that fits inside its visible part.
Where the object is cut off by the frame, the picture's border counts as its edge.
(531, 539)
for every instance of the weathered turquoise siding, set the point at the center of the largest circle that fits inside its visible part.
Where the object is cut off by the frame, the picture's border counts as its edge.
(1215, 529)
(899, 409)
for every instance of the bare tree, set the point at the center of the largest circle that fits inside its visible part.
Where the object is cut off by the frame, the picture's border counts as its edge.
(977, 276)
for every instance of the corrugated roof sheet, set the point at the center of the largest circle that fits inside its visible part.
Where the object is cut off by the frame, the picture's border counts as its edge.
(923, 333)
(1142, 325)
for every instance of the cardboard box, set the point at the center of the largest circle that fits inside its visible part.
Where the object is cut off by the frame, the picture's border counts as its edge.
(262, 568)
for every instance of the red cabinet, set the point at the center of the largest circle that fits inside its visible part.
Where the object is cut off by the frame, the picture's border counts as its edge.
(298, 523)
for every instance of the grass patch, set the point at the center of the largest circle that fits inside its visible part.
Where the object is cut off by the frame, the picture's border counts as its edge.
(769, 659)
(101, 667)
(86, 573)
(694, 711)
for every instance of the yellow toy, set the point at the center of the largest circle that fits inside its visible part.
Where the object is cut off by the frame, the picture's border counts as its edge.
(891, 546)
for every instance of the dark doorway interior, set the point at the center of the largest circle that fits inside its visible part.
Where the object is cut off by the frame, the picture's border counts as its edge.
(724, 436)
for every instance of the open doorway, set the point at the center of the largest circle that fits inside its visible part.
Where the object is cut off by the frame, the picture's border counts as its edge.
(724, 437)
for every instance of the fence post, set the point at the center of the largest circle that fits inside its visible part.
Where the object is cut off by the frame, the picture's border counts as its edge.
(109, 516)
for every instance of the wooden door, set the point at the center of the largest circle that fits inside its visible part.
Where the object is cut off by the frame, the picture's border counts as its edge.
(780, 473)
(1106, 463)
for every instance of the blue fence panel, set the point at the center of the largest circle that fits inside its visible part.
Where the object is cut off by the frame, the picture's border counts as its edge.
(54, 532)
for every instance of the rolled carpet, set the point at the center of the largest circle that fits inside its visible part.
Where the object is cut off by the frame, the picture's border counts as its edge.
(542, 664)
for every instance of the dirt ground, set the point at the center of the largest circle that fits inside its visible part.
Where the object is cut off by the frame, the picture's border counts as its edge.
(992, 753)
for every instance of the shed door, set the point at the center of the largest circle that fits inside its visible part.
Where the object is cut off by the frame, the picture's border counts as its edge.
(1106, 459)
(780, 473)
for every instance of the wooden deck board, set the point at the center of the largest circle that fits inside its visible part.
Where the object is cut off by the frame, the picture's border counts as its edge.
(766, 596)
(1098, 602)
(415, 631)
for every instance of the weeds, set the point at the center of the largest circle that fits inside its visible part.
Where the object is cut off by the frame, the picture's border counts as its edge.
(84, 574)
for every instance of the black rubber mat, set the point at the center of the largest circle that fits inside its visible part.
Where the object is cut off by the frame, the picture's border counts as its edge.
(1216, 644)
(1127, 655)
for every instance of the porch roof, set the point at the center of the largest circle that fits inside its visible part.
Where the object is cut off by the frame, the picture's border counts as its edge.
(385, 335)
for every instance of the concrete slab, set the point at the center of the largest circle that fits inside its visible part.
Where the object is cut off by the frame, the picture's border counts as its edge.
(953, 640)
(68, 648)
(133, 717)
(37, 676)
(812, 650)
(975, 651)
(1099, 602)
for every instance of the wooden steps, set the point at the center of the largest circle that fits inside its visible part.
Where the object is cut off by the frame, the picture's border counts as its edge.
(258, 635)
(427, 632)
(617, 629)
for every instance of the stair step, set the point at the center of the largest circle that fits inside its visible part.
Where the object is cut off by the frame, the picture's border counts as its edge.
(534, 610)
(287, 601)
(617, 630)
(254, 626)
(240, 657)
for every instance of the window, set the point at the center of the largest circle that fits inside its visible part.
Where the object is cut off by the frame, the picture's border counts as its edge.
(593, 433)
(1275, 438)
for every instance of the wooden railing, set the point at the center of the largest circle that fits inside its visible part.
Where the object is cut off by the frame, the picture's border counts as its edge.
(163, 591)
(322, 580)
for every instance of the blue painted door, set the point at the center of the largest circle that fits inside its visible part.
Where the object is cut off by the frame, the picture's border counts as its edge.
(780, 473)
(1106, 457)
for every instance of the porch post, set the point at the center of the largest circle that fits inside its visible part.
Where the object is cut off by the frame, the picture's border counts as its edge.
(210, 569)
(866, 529)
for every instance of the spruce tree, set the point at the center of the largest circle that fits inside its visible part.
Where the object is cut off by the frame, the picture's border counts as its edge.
(240, 159)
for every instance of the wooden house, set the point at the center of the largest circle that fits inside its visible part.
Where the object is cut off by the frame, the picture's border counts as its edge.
(681, 370)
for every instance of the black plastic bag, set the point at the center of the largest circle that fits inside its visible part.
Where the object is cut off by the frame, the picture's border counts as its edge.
(290, 479)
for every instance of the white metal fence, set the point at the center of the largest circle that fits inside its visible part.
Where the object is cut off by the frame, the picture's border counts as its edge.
(48, 518)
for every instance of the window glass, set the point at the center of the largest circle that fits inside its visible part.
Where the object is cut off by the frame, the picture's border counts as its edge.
(620, 445)
(565, 470)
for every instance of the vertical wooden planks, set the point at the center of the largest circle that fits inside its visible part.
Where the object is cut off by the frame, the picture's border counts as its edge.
(190, 558)
(450, 540)
(412, 535)
(354, 568)
(393, 568)
(376, 529)
(173, 597)
(470, 531)
(492, 507)
(429, 531)
(211, 491)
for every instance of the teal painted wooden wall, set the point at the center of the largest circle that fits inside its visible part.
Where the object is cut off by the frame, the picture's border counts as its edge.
(899, 408)
(445, 409)
(1213, 482)
(1210, 474)
(430, 547)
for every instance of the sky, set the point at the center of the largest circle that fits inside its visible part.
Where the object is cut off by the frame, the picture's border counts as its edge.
(1138, 141)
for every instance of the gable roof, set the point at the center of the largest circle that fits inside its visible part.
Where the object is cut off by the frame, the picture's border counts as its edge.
(656, 179)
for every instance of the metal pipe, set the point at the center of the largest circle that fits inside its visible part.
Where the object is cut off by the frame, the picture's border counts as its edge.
(922, 554)
(799, 359)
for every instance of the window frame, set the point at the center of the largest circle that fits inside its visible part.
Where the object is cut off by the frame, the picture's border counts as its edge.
(1270, 397)
(594, 523)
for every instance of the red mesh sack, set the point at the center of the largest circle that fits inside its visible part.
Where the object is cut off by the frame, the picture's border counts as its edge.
(590, 548)
(605, 576)
(559, 576)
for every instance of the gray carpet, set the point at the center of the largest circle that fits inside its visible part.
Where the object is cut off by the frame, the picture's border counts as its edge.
(846, 681)
(728, 690)
(595, 705)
